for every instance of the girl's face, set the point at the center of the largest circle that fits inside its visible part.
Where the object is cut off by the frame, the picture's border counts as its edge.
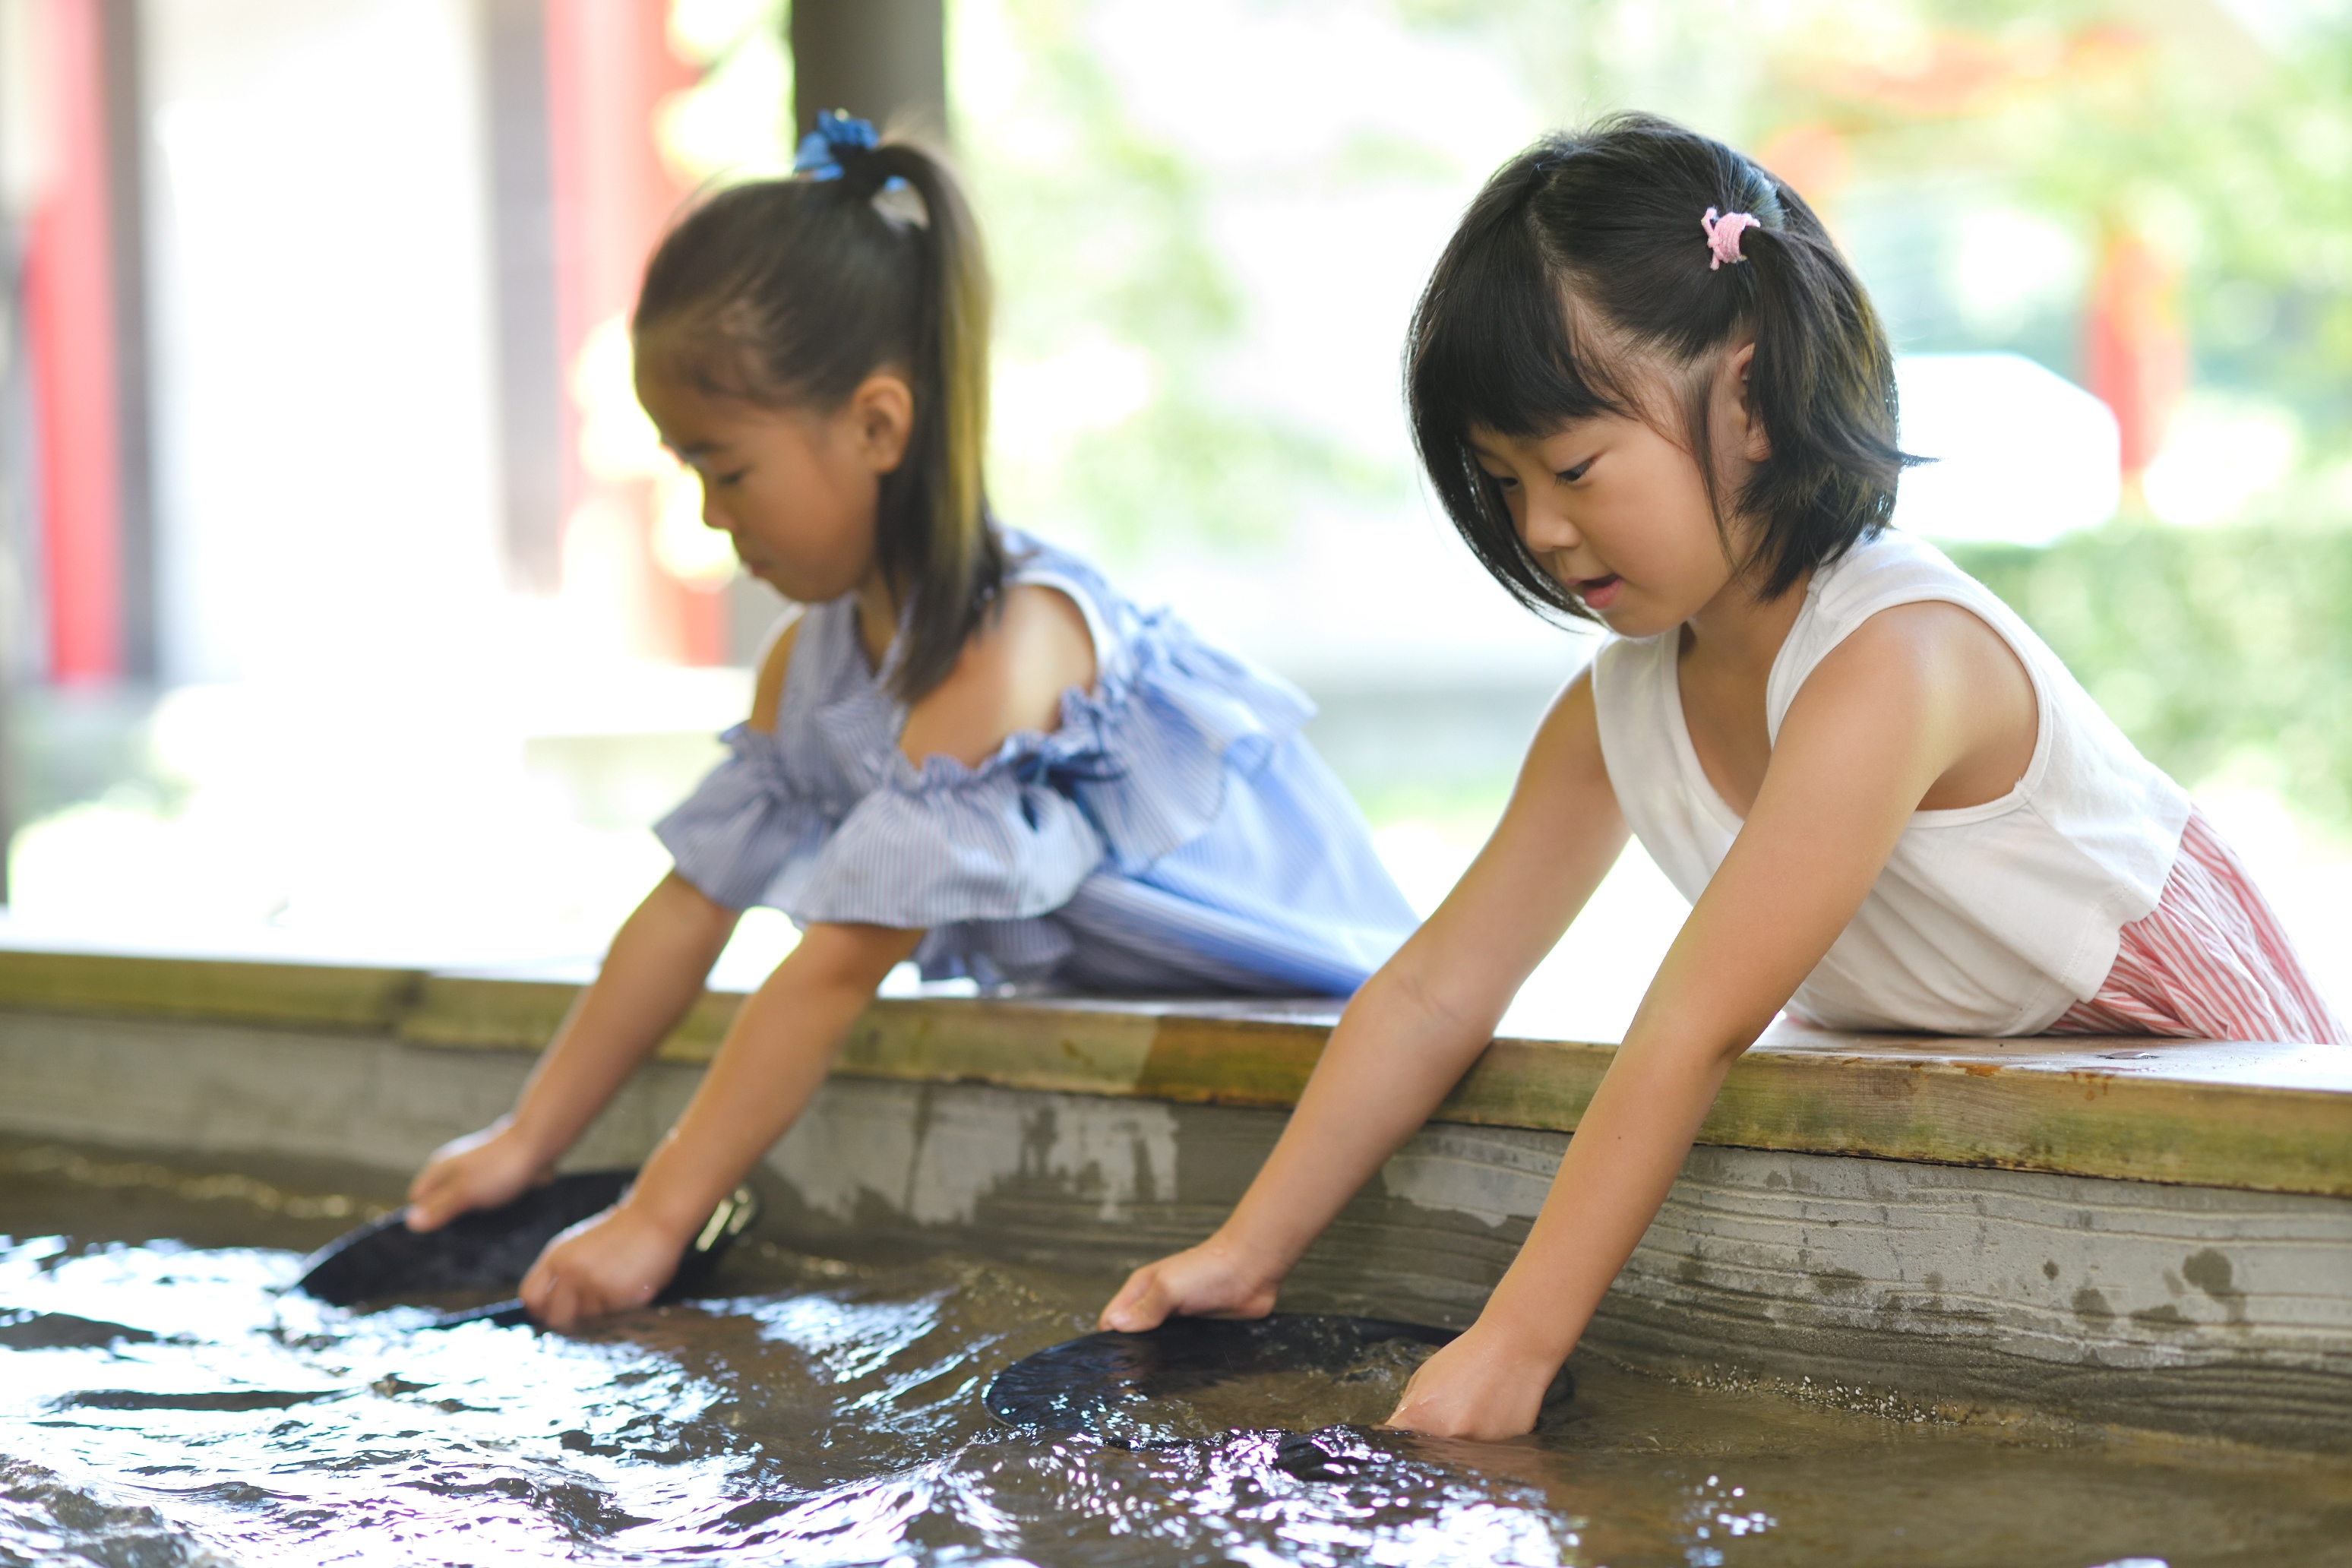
(1618, 513)
(797, 491)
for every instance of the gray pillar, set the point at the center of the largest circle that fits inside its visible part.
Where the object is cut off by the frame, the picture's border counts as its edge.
(530, 357)
(879, 60)
(126, 175)
(20, 635)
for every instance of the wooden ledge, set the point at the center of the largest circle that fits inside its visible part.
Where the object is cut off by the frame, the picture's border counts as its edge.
(2274, 1118)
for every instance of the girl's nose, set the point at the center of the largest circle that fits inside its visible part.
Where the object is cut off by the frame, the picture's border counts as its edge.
(1549, 528)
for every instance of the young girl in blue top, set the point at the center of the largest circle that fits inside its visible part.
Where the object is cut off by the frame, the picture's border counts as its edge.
(970, 751)
(1651, 394)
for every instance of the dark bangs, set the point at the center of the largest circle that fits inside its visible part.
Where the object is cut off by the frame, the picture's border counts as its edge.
(1492, 346)
(1581, 282)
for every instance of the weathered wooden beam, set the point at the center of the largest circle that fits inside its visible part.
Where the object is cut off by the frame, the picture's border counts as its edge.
(2275, 1117)
(309, 995)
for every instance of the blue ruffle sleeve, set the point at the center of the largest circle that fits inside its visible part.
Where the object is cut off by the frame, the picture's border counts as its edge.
(1171, 832)
(946, 844)
(1135, 769)
(1169, 727)
(745, 823)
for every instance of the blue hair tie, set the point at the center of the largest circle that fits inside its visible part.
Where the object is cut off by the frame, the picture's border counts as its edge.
(820, 152)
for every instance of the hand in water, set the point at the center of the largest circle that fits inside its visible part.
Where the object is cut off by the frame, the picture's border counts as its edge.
(479, 1170)
(1479, 1387)
(615, 1261)
(1210, 1280)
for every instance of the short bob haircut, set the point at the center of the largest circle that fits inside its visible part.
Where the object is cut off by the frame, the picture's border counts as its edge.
(1582, 265)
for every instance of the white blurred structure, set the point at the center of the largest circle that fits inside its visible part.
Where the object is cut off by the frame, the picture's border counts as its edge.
(2220, 455)
(2021, 455)
(324, 398)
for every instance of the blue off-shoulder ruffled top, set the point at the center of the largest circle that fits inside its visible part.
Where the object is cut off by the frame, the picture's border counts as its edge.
(1174, 834)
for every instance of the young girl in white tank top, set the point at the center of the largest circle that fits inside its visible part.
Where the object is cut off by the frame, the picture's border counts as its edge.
(1651, 394)
(2090, 898)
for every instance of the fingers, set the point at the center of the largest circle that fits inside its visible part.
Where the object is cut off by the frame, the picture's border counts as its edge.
(477, 1171)
(554, 1297)
(431, 1200)
(1401, 1419)
(608, 1264)
(1143, 1303)
(1202, 1280)
(1466, 1391)
(538, 1286)
(440, 1192)
(438, 1197)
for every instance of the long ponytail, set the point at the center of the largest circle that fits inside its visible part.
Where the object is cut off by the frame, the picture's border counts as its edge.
(790, 292)
(936, 541)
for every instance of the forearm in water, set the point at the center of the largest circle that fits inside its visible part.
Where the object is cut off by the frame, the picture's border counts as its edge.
(653, 976)
(776, 1054)
(1392, 1059)
(1628, 1148)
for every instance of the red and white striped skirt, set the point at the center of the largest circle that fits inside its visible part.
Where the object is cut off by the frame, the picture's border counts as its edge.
(2210, 962)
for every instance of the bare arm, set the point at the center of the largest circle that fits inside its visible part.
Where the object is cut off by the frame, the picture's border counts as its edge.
(654, 972)
(776, 1053)
(1413, 1029)
(784, 1038)
(652, 975)
(1871, 733)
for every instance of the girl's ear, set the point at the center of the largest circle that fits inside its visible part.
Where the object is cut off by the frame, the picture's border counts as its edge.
(881, 415)
(1751, 442)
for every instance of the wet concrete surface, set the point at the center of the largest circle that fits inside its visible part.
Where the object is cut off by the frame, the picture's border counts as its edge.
(163, 1401)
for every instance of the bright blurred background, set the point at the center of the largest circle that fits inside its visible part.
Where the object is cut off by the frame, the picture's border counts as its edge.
(351, 607)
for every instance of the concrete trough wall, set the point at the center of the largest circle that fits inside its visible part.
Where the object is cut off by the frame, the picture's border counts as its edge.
(2185, 1308)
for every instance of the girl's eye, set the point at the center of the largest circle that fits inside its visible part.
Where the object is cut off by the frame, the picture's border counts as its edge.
(1570, 476)
(725, 480)
(1504, 481)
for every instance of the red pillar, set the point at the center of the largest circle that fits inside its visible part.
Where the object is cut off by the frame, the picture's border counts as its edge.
(2136, 355)
(69, 318)
(609, 68)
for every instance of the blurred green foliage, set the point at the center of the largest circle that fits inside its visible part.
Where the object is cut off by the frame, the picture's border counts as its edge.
(1104, 229)
(2233, 156)
(2224, 652)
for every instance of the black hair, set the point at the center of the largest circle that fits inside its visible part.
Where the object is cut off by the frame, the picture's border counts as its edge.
(790, 292)
(1584, 257)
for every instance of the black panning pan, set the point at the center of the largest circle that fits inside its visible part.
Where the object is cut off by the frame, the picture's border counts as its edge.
(1085, 1385)
(492, 1249)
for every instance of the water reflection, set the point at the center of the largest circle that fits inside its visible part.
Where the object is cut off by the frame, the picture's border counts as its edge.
(162, 1403)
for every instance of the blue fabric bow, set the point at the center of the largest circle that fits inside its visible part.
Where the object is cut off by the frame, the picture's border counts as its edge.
(820, 152)
(1063, 775)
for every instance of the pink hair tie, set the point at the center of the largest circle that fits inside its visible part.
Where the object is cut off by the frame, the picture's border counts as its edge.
(1723, 235)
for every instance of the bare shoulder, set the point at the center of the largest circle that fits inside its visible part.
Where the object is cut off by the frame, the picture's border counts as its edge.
(1010, 678)
(768, 689)
(1568, 741)
(1940, 649)
(1965, 692)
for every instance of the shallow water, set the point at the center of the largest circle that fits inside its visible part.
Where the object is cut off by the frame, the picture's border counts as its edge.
(164, 1402)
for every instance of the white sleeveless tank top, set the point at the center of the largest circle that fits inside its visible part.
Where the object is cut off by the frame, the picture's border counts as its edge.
(1989, 920)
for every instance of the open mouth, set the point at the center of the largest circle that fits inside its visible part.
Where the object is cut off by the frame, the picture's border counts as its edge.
(1596, 592)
